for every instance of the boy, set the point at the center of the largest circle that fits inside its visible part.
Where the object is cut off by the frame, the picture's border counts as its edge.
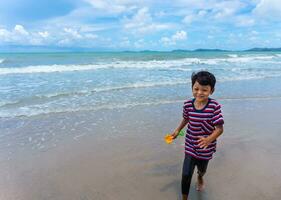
(204, 121)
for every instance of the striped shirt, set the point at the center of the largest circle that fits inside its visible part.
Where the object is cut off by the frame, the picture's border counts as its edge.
(201, 123)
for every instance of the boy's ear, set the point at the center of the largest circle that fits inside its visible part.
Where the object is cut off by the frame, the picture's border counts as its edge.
(213, 90)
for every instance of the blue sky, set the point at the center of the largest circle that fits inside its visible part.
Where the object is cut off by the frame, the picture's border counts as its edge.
(141, 25)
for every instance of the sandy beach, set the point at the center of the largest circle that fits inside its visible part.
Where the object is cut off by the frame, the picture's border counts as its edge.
(120, 154)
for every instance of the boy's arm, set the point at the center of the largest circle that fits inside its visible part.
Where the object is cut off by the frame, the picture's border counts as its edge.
(178, 129)
(205, 141)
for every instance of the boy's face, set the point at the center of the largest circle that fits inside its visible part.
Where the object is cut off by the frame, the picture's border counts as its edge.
(201, 92)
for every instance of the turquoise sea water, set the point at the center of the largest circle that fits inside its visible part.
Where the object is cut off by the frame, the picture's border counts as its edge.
(42, 83)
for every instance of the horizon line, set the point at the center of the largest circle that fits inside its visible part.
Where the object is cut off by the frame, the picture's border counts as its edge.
(85, 50)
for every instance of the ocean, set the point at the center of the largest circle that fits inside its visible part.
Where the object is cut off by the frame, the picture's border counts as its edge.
(33, 84)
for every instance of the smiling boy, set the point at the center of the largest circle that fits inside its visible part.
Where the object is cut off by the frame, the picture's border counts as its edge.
(204, 121)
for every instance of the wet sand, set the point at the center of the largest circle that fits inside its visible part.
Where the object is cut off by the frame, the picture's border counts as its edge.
(120, 154)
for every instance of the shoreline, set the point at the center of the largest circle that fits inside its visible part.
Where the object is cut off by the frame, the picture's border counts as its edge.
(132, 106)
(156, 96)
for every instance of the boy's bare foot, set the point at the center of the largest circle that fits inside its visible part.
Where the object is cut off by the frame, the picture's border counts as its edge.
(200, 184)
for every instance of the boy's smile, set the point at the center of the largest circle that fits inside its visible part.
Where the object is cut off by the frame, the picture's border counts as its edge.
(201, 92)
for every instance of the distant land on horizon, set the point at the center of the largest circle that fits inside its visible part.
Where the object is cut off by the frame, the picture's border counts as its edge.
(252, 49)
(264, 49)
(53, 49)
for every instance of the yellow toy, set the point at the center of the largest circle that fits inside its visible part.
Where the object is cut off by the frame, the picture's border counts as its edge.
(169, 138)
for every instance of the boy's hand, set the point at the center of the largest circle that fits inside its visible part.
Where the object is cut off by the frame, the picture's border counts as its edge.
(204, 142)
(175, 134)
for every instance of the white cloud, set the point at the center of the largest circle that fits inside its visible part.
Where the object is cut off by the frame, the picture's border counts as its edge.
(112, 6)
(36, 41)
(167, 41)
(178, 36)
(254, 32)
(142, 23)
(195, 16)
(17, 35)
(141, 18)
(21, 30)
(92, 28)
(212, 10)
(224, 13)
(188, 19)
(85, 19)
(125, 42)
(91, 36)
(4, 32)
(139, 44)
(253, 38)
(69, 36)
(106, 5)
(73, 33)
(152, 28)
(202, 13)
(244, 21)
(64, 42)
(160, 14)
(268, 8)
(44, 34)
(72, 36)
(224, 9)
(5, 35)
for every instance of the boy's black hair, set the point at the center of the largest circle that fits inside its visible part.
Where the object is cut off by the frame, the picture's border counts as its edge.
(204, 78)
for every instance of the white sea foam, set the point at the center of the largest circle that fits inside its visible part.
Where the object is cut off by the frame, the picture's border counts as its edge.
(152, 64)
(233, 55)
(5, 103)
(2, 60)
(142, 85)
(47, 69)
(245, 59)
(91, 91)
(28, 112)
(186, 64)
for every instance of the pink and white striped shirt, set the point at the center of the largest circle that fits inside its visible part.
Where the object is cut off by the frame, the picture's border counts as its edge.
(201, 123)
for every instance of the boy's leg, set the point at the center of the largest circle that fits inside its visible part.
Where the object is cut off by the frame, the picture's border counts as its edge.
(187, 171)
(201, 170)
